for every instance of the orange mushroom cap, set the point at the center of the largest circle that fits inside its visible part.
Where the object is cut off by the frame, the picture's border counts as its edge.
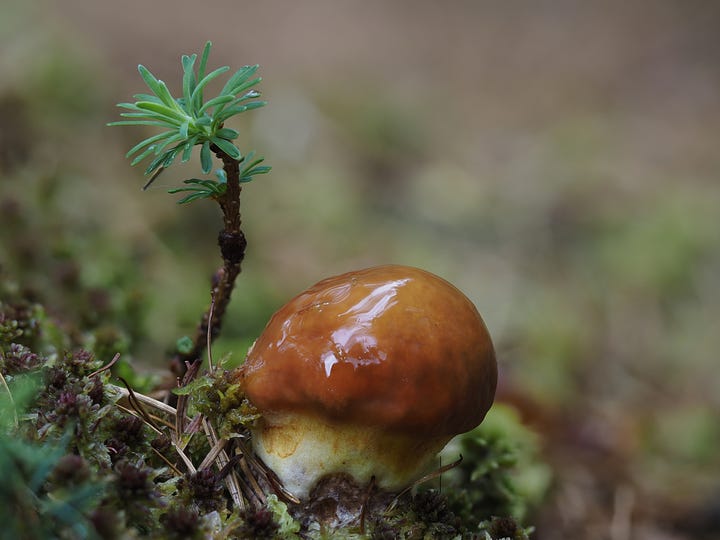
(392, 346)
(368, 374)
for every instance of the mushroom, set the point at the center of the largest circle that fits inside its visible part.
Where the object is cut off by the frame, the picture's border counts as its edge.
(368, 374)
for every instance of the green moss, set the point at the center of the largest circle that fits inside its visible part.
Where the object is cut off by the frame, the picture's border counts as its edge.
(97, 471)
(501, 473)
(220, 396)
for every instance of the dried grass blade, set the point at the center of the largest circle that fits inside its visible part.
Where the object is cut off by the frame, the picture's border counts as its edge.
(268, 474)
(422, 480)
(222, 460)
(257, 490)
(194, 425)
(134, 413)
(137, 406)
(212, 455)
(177, 471)
(106, 366)
(147, 400)
(188, 463)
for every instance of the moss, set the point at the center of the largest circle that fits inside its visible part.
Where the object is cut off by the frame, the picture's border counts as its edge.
(501, 528)
(203, 490)
(501, 473)
(220, 396)
(182, 523)
(100, 449)
(106, 473)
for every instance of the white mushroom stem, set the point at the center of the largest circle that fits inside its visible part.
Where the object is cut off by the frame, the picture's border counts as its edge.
(302, 448)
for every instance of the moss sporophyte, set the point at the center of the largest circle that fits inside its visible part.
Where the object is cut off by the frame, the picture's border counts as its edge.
(337, 414)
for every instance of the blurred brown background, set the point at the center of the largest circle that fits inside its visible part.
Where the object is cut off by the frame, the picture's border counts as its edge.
(557, 161)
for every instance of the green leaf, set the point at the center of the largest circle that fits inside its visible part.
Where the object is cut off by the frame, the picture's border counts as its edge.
(158, 87)
(148, 115)
(184, 345)
(170, 156)
(139, 113)
(238, 79)
(204, 121)
(188, 146)
(203, 58)
(155, 163)
(140, 123)
(252, 94)
(195, 197)
(147, 97)
(220, 100)
(237, 100)
(131, 106)
(199, 182)
(232, 111)
(150, 149)
(183, 131)
(227, 133)
(206, 157)
(226, 146)
(188, 63)
(248, 160)
(197, 93)
(244, 86)
(149, 79)
(200, 189)
(164, 160)
(165, 95)
(150, 140)
(187, 152)
(253, 168)
(176, 137)
(171, 113)
(148, 120)
(250, 175)
(212, 185)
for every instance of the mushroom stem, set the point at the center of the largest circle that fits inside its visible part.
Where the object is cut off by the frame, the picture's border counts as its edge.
(301, 449)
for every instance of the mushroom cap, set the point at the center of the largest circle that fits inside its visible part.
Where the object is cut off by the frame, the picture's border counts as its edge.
(392, 347)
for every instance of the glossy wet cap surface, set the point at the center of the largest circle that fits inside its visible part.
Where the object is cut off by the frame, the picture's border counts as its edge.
(390, 346)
